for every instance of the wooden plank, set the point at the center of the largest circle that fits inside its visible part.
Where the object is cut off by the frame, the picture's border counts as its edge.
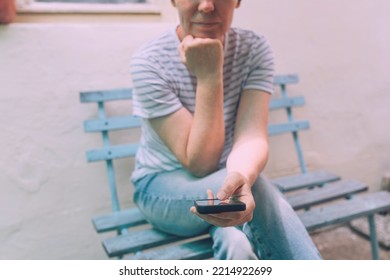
(288, 127)
(305, 180)
(106, 95)
(112, 123)
(280, 103)
(137, 241)
(286, 79)
(129, 121)
(195, 250)
(117, 151)
(127, 93)
(345, 211)
(116, 220)
(328, 192)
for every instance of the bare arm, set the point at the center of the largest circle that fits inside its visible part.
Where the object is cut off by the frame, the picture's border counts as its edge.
(250, 150)
(247, 158)
(197, 140)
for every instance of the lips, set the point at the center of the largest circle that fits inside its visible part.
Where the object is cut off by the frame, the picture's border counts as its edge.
(206, 29)
(205, 24)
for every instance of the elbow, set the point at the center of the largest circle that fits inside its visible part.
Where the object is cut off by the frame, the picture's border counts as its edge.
(201, 170)
(200, 173)
(202, 164)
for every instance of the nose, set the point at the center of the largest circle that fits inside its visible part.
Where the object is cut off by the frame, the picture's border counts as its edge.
(206, 6)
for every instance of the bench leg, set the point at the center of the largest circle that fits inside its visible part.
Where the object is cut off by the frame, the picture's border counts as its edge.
(373, 239)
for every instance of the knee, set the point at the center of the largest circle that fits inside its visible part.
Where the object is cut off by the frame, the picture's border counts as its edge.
(268, 197)
(231, 244)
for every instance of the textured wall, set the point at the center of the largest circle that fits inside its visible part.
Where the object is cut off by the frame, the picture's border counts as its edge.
(340, 50)
(49, 192)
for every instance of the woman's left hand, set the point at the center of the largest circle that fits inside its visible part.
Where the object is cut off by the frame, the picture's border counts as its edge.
(238, 187)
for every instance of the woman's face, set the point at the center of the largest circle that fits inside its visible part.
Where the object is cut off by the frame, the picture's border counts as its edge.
(205, 18)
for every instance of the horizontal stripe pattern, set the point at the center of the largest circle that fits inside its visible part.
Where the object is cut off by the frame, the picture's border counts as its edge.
(162, 85)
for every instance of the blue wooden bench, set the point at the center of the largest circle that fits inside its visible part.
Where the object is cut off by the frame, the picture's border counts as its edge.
(309, 192)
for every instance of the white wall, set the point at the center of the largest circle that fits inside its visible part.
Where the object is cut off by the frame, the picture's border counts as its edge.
(340, 50)
(49, 192)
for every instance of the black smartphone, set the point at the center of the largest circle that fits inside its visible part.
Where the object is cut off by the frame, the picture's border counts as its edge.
(215, 206)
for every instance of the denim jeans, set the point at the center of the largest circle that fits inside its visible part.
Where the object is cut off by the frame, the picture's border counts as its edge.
(275, 231)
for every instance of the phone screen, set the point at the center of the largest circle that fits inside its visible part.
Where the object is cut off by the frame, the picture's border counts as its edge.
(211, 202)
(209, 206)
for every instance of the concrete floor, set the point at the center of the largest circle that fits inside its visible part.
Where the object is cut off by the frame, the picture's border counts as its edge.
(342, 243)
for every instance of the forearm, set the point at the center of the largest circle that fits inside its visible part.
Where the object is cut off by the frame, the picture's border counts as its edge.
(197, 139)
(207, 133)
(248, 158)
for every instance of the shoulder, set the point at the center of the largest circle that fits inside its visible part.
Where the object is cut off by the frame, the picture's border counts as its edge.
(245, 33)
(246, 39)
(161, 46)
(249, 45)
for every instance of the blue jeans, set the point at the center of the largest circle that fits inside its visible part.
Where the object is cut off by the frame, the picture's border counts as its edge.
(275, 231)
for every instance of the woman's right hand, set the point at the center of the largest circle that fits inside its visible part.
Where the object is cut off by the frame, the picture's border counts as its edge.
(202, 56)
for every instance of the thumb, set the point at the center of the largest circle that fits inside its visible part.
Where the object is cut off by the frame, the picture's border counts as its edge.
(183, 46)
(188, 39)
(233, 181)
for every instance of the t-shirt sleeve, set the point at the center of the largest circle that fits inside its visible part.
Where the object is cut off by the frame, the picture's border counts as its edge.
(261, 72)
(153, 95)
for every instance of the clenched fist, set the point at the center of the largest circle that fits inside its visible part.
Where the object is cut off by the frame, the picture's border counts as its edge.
(203, 56)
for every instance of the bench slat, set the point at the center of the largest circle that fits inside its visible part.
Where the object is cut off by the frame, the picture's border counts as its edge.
(127, 93)
(345, 211)
(305, 180)
(281, 103)
(121, 151)
(133, 217)
(137, 241)
(274, 129)
(106, 95)
(113, 123)
(116, 220)
(116, 123)
(118, 151)
(326, 193)
(313, 219)
(123, 122)
(195, 250)
(286, 79)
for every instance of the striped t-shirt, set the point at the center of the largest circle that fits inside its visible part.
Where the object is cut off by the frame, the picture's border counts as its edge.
(162, 85)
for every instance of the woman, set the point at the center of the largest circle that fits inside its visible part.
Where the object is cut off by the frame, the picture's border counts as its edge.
(202, 91)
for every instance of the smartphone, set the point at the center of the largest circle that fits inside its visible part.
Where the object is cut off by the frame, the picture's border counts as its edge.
(215, 206)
